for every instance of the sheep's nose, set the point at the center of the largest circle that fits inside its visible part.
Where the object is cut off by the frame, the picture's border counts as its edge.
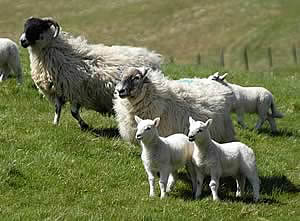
(24, 41)
(138, 136)
(191, 138)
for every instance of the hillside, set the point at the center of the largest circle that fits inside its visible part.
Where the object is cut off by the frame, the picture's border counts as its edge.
(181, 29)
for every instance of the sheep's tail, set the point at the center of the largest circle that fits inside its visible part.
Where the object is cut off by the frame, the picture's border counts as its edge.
(275, 112)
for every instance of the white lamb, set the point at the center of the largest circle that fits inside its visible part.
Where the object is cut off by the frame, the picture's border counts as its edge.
(251, 100)
(68, 69)
(10, 60)
(210, 158)
(163, 155)
(149, 94)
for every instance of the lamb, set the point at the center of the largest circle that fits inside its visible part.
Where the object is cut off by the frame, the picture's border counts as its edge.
(219, 160)
(163, 155)
(68, 69)
(251, 100)
(10, 60)
(149, 94)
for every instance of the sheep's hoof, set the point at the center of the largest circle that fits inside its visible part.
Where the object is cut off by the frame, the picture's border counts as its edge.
(84, 126)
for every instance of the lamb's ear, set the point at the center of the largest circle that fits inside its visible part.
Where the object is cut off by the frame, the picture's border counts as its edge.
(191, 120)
(144, 72)
(208, 123)
(222, 78)
(156, 121)
(137, 119)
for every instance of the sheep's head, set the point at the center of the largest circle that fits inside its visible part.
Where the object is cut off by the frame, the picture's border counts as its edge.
(38, 31)
(198, 128)
(132, 82)
(217, 77)
(146, 128)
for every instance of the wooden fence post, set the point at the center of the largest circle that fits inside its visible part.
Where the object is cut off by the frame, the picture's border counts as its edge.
(198, 59)
(294, 51)
(246, 58)
(270, 57)
(222, 60)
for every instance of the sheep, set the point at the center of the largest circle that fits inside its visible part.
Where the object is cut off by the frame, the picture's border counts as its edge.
(220, 160)
(68, 69)
(10, 60)
(163, 155)
(149, 94)
(251, 100)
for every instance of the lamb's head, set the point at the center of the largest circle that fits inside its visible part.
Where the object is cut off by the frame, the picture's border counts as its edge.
(132, 82)
(198, 129)
(39, 31)
(146, 129)
(217, 77)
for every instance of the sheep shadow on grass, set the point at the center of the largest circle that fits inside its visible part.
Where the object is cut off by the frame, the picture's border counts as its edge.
(105, 132)
(269, 186)
(284, 132)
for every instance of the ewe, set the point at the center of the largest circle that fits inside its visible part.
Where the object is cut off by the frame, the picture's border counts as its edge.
(65, 68)
(219, 160)
(10, 60)
(163, 155)
(251, 100)
(148, 94)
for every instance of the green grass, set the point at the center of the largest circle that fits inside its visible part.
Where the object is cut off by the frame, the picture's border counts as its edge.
(62, 173)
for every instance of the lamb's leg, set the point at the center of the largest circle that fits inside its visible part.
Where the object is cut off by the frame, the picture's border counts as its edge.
(272, 123)
(240, 185)
(17, 70)
(192, 173)
(151, 180)
(199, 180)
(75, 113)
(171, 181)
(254, 180)
(262, 115)
(214, 185)
(59, 102)
(163, 180)
(240, 118)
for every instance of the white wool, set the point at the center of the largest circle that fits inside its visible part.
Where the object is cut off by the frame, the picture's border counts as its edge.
(10, 60)
(220, 160)
(163, 155)
(173, 101)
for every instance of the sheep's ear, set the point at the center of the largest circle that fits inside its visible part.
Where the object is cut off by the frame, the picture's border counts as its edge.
(222, 78)
(144, 72)
(191, 120)
(208, 123)
(156, 121)
(137, 119)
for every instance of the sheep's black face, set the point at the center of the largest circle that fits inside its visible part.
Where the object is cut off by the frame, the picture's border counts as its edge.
(132, 81)
(37, 29)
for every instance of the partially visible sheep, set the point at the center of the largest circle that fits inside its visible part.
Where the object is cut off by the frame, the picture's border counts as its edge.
(251, 100)
(68, 69)
(220, 160)
(10, 60)
(163, 155)
(148, 94)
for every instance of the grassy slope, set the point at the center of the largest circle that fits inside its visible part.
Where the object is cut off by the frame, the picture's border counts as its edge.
(177, 28)
(61, 173)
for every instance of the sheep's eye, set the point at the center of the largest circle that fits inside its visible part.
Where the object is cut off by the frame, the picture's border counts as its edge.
(199, 131)
(148, 128)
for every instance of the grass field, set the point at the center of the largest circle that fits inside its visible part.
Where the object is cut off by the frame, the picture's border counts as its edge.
(62, 173)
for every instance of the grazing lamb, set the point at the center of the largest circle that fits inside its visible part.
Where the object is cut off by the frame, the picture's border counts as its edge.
(220, 160)
(65, 68)
(251, 100)
(148, 94)
(163, 155)
(10, 60)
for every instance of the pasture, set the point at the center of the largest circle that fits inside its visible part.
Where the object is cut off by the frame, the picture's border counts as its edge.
(52, 172)
(62, 173)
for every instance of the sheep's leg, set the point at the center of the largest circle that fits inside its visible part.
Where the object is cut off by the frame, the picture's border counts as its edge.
(171, 181)
(272, 123)
(151, 180)
(240, 118)
(262, 113)
(58, 106)
(4, 73)
(163, 180)
(75, 113)
(199, 179)
(240, 185)
(214, 185)
(254, 180)
(17, 70)
(191, 171)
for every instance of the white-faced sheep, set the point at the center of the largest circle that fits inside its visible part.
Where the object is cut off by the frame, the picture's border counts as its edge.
(251, 100)
(10, 60)
(220, 160)
(149, 94)
(65, 68)
(163, 155)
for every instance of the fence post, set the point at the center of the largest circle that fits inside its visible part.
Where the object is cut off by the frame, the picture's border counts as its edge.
(246, 58)
(294, 51)
(270, 57)
(222, 61)
(198, 59)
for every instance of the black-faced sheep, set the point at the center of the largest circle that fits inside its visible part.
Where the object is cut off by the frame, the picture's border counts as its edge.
(148, 94)
(65, 68)
(10, 60)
